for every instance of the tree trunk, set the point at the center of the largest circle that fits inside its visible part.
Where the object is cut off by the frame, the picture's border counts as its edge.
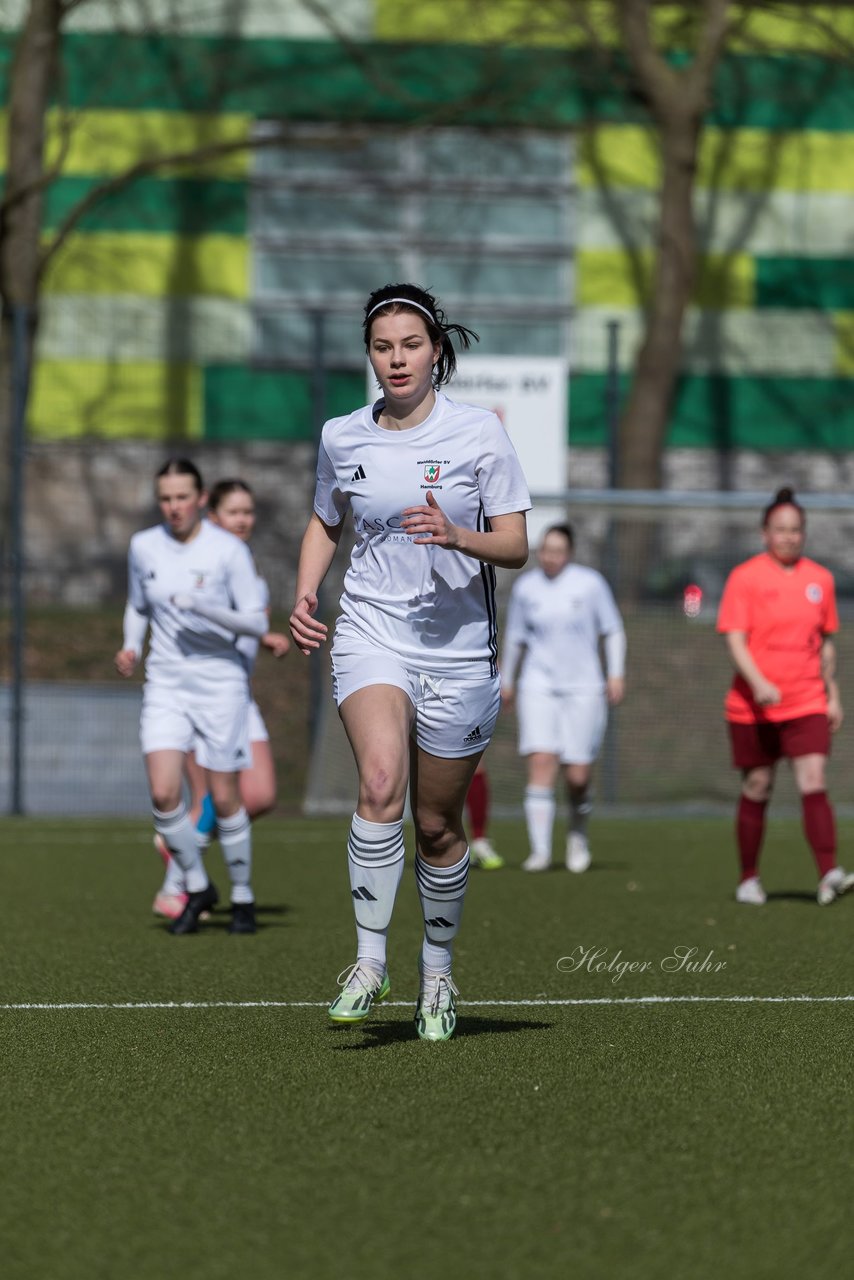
(30, 80)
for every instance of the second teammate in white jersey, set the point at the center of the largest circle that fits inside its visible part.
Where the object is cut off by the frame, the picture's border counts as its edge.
(231, 506)
(556, 616)
(438, 498)
(196, 587)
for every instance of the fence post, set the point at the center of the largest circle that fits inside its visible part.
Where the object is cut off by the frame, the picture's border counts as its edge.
(20, 383)
(610, 762)
(318, 408)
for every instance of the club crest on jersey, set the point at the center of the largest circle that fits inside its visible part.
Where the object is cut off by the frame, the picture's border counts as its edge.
(432, 471)
(814, 593)
(200, 580)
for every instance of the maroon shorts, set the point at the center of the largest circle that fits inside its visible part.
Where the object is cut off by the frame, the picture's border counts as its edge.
(755, 745)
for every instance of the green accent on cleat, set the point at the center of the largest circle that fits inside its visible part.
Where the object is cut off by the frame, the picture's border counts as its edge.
(436, 1011)
(362, 986)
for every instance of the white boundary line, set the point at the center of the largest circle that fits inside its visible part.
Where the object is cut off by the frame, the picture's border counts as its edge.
(36, 1006)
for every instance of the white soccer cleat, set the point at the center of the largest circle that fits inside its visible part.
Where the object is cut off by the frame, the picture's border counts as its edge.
(537, 862)
(577, 852)
(483, 855)
(833, 885)
(751, 892)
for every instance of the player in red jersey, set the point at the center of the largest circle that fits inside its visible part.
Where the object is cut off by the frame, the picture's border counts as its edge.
(778, 613)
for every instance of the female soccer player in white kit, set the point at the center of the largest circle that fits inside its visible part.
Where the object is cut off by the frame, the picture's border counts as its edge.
(231, 506)
(197, 588)
(556, 616)
(438, 498)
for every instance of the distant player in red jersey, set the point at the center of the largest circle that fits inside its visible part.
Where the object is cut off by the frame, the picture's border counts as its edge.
(778, 613)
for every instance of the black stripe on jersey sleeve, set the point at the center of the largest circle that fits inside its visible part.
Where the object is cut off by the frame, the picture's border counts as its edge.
(487, 577)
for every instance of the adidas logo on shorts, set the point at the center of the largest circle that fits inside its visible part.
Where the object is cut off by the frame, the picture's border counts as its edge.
(474, 736)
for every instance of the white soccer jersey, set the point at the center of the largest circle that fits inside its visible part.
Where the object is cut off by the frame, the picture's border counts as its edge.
(214, 566)
(433, 607)
(249, 645)
(558, 622)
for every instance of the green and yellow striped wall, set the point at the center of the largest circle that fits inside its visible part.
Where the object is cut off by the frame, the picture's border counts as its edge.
(147, 329)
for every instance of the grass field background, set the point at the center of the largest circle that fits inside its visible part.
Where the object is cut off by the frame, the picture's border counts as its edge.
(573, 1130)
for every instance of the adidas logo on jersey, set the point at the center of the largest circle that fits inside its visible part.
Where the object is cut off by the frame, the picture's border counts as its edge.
(474, 736)
(358, 474)
(363, 894)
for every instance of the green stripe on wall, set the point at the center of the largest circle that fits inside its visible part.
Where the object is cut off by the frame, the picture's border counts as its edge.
(825, 284)
(266, 404)
(313, 80)
(714, 412)
(177, 206)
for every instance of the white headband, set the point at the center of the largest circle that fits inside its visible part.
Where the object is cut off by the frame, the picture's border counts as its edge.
(407, 302)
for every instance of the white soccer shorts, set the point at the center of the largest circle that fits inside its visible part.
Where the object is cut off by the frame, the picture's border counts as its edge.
(455, 714)
(569, 724)
(256, 726)
(215, 725)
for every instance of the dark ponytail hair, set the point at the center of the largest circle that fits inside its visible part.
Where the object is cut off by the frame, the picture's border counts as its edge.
(565, 530)
(393, 298)
(782, 498)
(223, 488)
(181, 467)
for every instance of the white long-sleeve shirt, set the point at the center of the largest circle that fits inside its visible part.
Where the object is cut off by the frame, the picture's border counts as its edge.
(557, 623)
(216, 568)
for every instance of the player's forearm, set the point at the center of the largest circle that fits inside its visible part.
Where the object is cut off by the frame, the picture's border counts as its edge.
(504, 548)
(239, 622)
(828, 664)
(134, 629)
(741, 657)
(615, 655)
(319, 544)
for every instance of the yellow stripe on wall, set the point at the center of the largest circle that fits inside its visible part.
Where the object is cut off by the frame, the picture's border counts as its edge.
(752, 160)
(147, 401)
(151, 265)
(611, 277)
(843, 325)
(820, 29)
(109, 142)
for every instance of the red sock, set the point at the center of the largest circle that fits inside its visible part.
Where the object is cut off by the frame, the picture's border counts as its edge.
(820, 828)
(477, 803)
(749, 830)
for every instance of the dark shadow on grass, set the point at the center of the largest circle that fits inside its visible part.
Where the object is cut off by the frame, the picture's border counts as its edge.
(791, 895)
(220, 919)
(379, 1035)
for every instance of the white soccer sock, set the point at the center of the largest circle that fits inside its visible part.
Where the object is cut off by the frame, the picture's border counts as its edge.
(180, 836)
(375, 863)
(540, 817)
(579, 814)
(235, 838)
(442, 892)
(174, 881)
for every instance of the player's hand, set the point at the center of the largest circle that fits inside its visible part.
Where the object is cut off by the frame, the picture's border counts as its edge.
(276, 643)
(766, 694)
(307, 632)
(125, 662)
(182, 600)
(615, 688)
(430, 524)
(508, 698)
(835, 715)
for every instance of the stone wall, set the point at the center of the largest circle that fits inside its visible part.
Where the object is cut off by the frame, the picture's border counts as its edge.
(84, 500)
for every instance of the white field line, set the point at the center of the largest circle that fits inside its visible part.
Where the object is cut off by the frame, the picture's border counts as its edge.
(36, 1006)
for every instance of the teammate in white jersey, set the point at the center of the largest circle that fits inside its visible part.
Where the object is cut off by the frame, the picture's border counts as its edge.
(196, 587)
(231, 506)
(555, 619)
(438, 498)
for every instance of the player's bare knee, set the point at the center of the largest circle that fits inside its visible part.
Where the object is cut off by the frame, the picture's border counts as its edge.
(165, 799)
(434, 834)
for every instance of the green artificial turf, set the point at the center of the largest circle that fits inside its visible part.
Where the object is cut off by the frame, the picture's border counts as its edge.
(602, 1136)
